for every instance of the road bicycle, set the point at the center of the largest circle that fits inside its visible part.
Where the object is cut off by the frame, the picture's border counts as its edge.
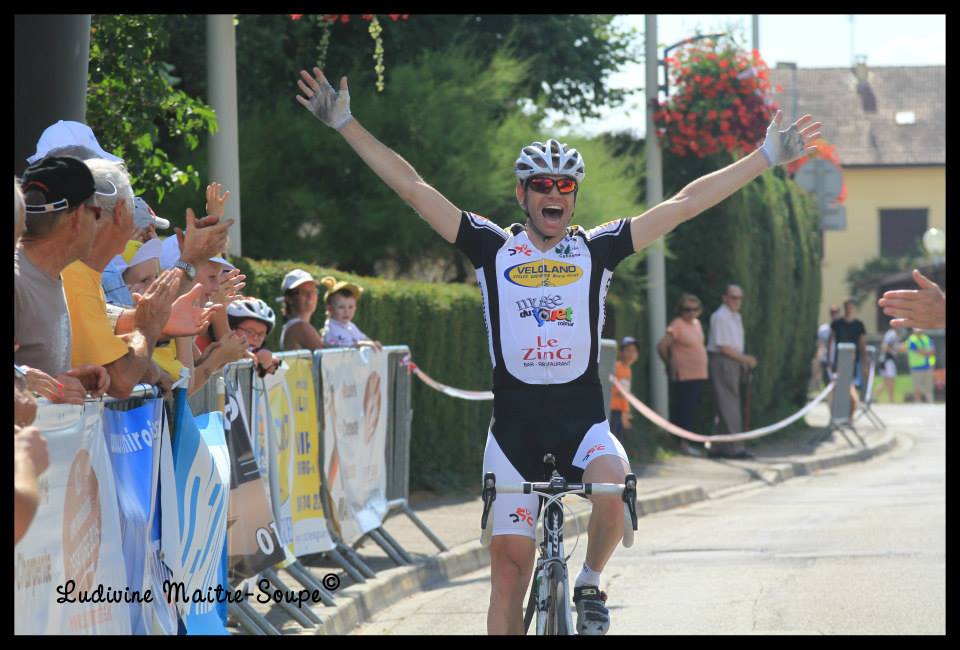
(550, 590)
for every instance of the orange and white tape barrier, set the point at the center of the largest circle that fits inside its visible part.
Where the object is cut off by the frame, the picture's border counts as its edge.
(669, 427)
(474, 395)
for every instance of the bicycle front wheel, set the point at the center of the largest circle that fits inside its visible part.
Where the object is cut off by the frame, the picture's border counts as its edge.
(557, 609)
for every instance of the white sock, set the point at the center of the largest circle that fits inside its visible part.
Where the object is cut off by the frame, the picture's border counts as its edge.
(587, 577)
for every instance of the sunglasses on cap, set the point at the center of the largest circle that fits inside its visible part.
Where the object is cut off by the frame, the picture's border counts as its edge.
(543, 184)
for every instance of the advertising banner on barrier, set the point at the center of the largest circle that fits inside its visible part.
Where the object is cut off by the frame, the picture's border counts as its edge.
(310, 533)
(133, 439)
(275, 428)
(253, 539)
(73, 546)
(355, 432)
(194, 525)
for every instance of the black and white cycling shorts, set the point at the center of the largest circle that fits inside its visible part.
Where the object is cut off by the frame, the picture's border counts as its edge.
(516, 514)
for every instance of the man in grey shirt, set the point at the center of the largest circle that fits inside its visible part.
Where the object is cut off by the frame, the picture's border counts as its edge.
(727, 363)
(61, 214)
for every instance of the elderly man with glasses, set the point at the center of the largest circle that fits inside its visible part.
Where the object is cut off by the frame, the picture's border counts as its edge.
(61, 217)
(728, 364)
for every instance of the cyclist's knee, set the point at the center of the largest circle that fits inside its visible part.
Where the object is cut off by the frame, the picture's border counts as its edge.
(608, 507)
(511, 561)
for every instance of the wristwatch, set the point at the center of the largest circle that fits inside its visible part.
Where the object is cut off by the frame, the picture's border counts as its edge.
(187, 268)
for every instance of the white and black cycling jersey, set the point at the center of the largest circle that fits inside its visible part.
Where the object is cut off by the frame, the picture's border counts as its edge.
(544, 315)
(543, 311)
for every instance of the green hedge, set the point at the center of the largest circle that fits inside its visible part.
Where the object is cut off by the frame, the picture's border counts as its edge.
(765, 238)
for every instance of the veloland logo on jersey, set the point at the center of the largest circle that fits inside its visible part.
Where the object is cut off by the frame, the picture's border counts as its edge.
(543, 273)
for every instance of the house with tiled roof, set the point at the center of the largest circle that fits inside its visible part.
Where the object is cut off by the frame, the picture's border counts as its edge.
(889, 127)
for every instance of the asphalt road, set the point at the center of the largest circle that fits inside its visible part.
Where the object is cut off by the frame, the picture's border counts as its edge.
(858, 549)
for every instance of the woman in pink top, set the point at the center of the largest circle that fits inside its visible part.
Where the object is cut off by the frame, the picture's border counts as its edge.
(684, 352)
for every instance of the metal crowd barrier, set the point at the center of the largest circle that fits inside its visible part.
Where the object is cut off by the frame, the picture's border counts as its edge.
(866, 406)
(840, 419)
(211, 397)
(606, 364)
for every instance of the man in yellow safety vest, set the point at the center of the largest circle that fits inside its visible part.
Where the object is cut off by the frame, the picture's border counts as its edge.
(920, 355)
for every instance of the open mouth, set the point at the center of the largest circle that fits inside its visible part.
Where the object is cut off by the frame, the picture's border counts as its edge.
(552, 213)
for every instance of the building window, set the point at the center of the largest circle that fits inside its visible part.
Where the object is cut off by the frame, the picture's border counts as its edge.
(900, 230)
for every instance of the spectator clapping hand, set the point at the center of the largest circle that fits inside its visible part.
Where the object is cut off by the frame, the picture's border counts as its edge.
(188, 315)
(153, 307)
(231, 283)
(216, 203)
(229, 349)
(925, 308)
(204, 238)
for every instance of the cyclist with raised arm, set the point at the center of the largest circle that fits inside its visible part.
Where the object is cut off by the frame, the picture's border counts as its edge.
(543, 284)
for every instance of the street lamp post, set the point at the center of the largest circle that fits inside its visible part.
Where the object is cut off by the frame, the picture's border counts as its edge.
(656, 267)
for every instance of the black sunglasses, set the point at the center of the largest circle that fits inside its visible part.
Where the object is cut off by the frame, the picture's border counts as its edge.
(543, 184)
(690, 309)
(97, 211)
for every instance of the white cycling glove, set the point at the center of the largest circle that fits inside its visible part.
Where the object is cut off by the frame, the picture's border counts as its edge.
(330, 106)
(781, 147)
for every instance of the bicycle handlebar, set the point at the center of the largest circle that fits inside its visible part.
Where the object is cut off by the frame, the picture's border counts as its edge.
(565, 488)
(627, 490)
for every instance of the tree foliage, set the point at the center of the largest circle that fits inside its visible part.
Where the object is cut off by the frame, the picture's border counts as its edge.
(134, 106)
(453, 117)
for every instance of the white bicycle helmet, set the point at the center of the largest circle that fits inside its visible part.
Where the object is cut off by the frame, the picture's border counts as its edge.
(551, 158)
(244, 308)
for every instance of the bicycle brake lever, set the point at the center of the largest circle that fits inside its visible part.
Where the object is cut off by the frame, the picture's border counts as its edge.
(489, 495)
(630, 497)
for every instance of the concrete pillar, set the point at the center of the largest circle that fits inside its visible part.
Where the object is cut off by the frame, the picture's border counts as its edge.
(222, 95)
(51, 59)
(656, 271)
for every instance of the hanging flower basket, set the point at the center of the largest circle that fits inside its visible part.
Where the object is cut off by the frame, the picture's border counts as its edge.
(721, 101)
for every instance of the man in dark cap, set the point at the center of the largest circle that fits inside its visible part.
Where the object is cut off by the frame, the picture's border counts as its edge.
(60, 218)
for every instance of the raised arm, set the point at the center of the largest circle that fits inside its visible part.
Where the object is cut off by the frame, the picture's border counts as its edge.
(333, 109)
(780, 147)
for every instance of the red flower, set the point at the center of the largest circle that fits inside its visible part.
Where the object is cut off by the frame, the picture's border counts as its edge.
(345, 18)
(712, 56)
(367, 17)
(724, 126)
(711, 114)
(724, 64)
(296, 16)
(779, 88)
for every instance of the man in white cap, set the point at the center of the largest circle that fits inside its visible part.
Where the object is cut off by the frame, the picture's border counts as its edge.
(66, 138)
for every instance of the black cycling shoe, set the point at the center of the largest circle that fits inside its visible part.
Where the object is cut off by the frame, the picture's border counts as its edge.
(592, 616)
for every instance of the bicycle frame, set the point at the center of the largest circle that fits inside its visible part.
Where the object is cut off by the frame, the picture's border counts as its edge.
(552, 609)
